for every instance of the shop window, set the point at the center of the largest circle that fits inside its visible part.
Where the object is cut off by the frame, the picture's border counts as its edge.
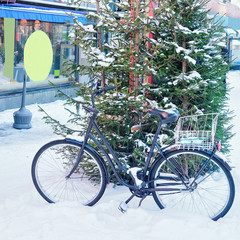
(235, 51)
(62, 48)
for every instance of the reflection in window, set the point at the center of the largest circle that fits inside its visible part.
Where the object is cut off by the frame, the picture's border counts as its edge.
(22, 34)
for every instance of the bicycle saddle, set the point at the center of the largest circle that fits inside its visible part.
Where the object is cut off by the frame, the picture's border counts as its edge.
(167, 116)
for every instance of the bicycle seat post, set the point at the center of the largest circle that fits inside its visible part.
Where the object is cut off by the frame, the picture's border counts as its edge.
(152, 147)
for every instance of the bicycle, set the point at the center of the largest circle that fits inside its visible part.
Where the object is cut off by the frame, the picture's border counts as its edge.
(192, 179)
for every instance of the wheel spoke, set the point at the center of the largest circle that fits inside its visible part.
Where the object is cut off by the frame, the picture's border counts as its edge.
(210, 194)
(53, 163)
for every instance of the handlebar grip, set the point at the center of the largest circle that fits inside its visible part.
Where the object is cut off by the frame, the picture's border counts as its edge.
(108, 88)
(98, 92)
(104, 90)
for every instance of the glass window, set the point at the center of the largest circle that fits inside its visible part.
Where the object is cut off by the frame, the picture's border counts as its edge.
(235, 51)
(58, 34)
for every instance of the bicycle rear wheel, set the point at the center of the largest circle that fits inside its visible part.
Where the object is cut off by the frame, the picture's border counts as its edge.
(52, 164)
(211, 194)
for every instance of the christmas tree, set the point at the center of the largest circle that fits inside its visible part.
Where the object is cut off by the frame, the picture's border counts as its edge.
(173, 42)
(194, 79)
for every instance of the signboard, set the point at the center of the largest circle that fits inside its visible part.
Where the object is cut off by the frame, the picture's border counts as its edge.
(84, 4)
(38, 56)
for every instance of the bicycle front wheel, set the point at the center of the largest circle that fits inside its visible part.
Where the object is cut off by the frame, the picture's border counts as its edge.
(189, 181)
(54, 161)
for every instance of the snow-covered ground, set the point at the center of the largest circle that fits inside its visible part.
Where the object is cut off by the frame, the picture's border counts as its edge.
(24, 215)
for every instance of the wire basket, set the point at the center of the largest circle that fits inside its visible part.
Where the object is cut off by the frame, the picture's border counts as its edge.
(196, 131)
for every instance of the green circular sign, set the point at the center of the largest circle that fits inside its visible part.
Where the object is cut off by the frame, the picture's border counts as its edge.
(38, 56)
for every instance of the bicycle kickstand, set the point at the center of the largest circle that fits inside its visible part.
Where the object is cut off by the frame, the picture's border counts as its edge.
(145, 195)
(123, 205)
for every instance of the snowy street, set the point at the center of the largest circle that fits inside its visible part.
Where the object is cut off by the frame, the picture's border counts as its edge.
(25, 215)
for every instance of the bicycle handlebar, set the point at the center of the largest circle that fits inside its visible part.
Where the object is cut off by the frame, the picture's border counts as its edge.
(98, 92)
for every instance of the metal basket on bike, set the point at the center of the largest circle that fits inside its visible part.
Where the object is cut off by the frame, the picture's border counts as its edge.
(196, 131)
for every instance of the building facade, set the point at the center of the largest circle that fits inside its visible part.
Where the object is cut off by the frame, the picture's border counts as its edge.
(229, 13)
(50, 16)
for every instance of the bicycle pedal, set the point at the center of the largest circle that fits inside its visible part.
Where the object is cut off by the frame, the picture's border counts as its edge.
(123, 207)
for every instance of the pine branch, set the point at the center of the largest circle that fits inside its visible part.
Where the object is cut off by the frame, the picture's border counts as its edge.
(59, 129)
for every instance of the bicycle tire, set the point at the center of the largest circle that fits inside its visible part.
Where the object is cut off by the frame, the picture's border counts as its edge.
(211, 195)
(54, 161)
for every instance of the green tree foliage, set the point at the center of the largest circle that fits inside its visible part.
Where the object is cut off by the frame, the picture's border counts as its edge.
(121, 56)
(184, 57)
(194, 79)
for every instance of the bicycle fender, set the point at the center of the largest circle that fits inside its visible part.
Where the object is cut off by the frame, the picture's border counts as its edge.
(94, 152)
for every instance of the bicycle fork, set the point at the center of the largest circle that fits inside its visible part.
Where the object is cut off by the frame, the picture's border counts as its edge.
(80, 154)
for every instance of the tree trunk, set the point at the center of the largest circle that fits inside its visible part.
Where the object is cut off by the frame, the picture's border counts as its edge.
(136, 77)
(184, 63)
(134, 81)
(149, 13)
(184, 70)
(100, 44)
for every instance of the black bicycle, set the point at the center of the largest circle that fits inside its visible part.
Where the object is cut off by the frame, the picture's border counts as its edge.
(191, 179)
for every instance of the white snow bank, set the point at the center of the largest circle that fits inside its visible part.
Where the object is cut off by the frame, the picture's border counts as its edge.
(24, 215)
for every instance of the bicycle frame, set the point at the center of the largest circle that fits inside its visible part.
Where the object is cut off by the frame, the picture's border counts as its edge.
(93, 124)
(184, 174)
(172, 164)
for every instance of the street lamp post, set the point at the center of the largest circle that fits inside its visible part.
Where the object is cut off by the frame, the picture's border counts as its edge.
(38, 58)
(23, 117)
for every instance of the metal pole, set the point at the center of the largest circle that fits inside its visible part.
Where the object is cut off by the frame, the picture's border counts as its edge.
(22, 117)
(24, 93)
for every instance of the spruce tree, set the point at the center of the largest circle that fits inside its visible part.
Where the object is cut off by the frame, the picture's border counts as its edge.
(117, 50)
(194, 78)
(183, 56)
